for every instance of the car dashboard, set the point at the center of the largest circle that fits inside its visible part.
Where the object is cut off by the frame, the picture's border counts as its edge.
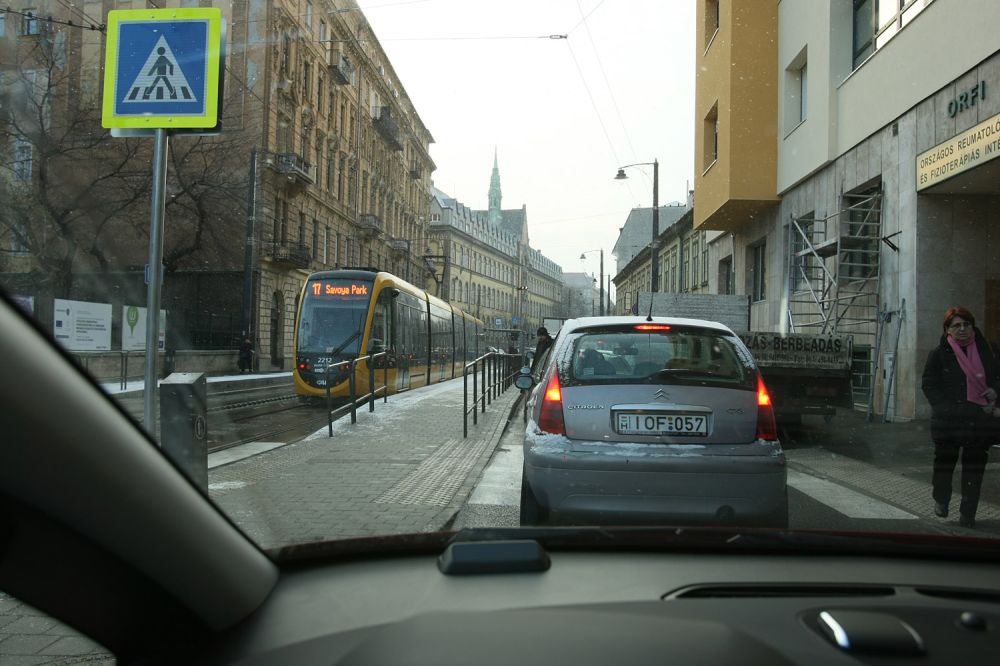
(636, 608)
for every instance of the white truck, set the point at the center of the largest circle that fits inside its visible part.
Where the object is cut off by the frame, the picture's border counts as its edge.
(804, 373)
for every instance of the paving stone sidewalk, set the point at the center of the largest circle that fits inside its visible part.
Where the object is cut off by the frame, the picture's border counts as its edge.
(403, 468)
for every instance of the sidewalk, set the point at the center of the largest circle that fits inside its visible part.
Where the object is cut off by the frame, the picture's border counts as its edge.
(403, 468)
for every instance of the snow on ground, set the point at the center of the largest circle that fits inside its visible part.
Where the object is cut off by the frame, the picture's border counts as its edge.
(113, 388)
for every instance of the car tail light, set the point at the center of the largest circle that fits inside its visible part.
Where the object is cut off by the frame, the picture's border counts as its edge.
(767, 429)
(550, 418)
(651, 327)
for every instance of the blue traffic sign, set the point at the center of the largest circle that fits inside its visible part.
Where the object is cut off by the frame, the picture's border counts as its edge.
(163, 68)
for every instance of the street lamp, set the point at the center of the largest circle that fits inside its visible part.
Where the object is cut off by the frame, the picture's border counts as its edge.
(583, 255)
(654, 250)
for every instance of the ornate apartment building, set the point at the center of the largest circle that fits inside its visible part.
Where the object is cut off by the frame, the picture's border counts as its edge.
(484, 263)
(322, 163)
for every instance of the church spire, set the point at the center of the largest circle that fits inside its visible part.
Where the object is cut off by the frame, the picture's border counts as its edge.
(494, 196)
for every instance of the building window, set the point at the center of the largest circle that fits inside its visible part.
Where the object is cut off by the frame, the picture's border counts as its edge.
(704, 259)
(23, 153)
(711, 140)
(3, 24)
(803, 92)
(757, 271)
(29, 22)
(302, 228)
(695, 260)
(284, 134)
(865, 27)
(319, 157)
(711, 20)
(307, 80)
(286, 54)
(315, 246)
(863, 217)
(17, 239)
(726, 276)
(309, 16)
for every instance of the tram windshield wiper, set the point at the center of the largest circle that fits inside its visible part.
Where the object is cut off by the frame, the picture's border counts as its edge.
(351, 338)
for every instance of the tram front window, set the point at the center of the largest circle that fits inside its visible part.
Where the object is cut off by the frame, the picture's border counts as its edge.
(333, 317)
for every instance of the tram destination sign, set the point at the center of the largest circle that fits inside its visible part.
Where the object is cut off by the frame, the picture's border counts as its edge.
(340, 290)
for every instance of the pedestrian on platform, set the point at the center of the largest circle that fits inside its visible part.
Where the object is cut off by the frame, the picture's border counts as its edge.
(961, 381)
(245, 359)
(542, 345)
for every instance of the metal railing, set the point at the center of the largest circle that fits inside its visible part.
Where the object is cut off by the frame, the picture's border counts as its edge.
(354, 400)
(497, 371)
(83, 360)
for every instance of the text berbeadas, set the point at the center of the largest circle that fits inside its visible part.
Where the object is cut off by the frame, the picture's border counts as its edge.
(797, 344)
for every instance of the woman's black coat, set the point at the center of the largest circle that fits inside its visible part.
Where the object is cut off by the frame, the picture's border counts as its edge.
(944, 384)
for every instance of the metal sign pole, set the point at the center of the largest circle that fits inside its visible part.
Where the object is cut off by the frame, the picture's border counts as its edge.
(155, 279)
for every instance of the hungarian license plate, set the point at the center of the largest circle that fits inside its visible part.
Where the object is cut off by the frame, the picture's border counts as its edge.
(632, 423)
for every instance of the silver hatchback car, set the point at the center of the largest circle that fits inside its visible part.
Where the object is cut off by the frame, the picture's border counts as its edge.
(651, 420)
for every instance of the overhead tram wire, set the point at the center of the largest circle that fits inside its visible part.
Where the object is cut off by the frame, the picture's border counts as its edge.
(584, 19)
(79, 12)
(99, 27)
(597, 112)
(604, 75)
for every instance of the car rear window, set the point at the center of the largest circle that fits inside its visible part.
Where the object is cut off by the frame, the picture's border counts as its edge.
(660, 354)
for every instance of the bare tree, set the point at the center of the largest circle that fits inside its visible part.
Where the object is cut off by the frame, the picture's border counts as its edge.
(68, 188)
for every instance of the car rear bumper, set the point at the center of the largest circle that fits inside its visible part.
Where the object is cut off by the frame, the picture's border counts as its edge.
(691, 486)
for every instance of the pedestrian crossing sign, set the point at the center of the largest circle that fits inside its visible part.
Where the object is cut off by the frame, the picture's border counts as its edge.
(163, 68)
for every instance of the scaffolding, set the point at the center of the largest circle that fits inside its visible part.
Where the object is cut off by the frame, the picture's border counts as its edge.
(833, 278)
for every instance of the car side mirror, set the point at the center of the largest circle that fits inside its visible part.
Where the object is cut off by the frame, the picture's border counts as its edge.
(375, 346)
(524, 380)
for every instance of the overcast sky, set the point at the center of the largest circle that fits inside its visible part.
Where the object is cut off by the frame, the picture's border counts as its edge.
(563, 114)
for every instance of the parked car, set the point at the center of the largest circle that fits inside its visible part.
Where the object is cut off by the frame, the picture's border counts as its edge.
(657, 420)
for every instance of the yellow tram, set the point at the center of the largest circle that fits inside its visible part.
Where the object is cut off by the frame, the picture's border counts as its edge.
(347, 314)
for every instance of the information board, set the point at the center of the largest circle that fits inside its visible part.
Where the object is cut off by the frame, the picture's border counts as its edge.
(82, 326)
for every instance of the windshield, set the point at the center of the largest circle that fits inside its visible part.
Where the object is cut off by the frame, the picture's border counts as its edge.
(333, 316)
(400, 205)
(664, 355)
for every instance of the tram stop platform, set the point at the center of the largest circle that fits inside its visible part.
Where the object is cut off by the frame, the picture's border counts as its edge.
(403, 468)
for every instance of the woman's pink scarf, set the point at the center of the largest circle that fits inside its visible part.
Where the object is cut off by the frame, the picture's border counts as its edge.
(972, 366)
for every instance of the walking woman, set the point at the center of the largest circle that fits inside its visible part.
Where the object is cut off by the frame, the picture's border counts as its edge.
(961, 380)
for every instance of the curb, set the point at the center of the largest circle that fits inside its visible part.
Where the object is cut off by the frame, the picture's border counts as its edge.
(446, 517)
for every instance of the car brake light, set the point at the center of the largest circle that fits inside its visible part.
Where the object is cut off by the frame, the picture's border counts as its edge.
(767, 429)
(651, 327)
(550, 418)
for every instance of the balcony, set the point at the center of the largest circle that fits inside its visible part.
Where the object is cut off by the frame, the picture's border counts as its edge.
(295, 167)
(341, 69)
(292, 255)
(370, 225)
(416, 172)
(399, 246)
(387, 126)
